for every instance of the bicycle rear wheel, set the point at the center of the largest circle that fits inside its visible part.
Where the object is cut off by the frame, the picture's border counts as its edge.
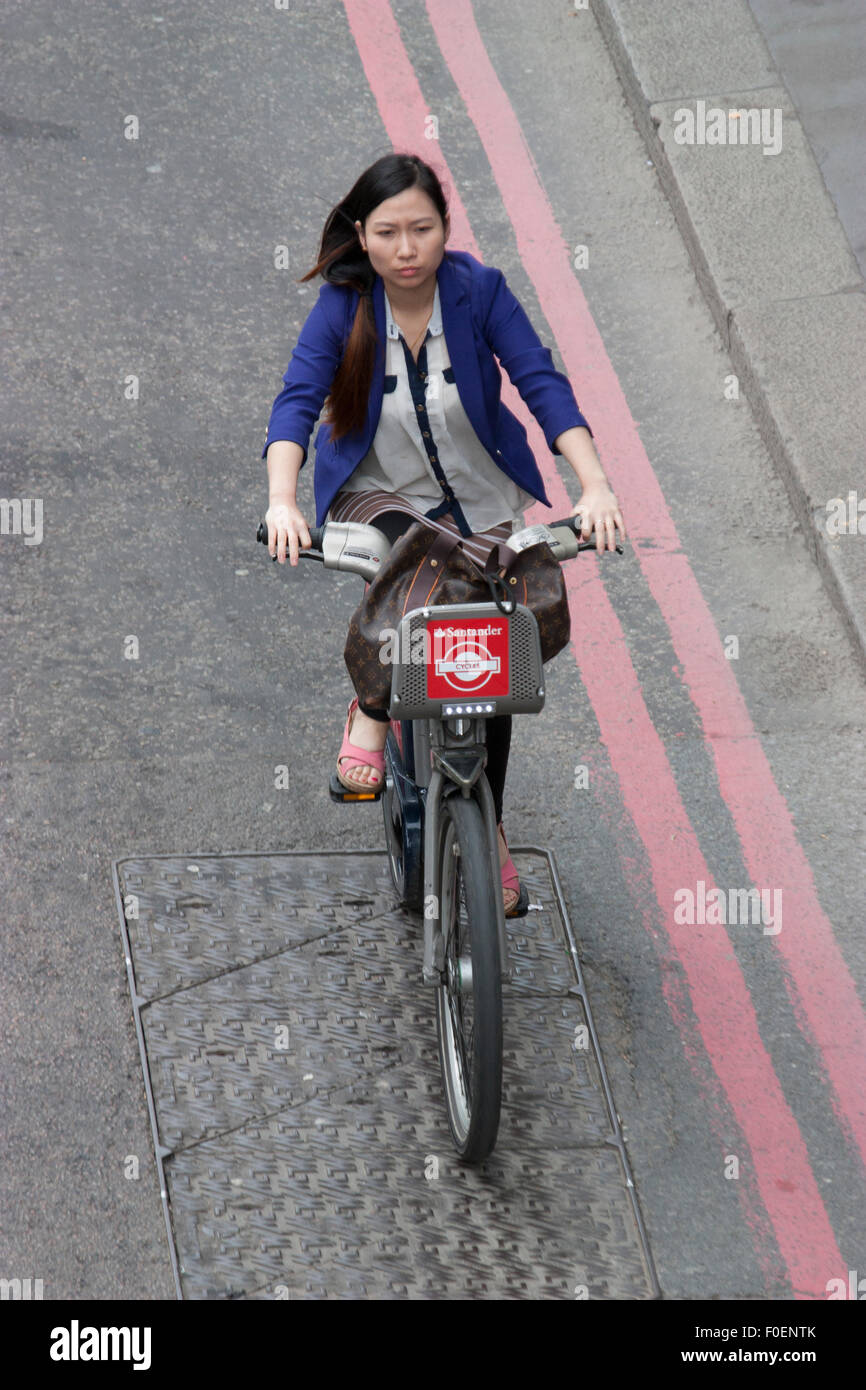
(469, 1002)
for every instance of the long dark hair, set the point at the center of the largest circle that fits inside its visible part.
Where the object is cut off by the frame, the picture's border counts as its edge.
(343, 261)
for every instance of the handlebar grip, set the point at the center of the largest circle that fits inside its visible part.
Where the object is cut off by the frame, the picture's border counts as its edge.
(316, 534)
(575, 525)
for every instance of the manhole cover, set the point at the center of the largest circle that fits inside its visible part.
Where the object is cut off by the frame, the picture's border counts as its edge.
(290, 1058)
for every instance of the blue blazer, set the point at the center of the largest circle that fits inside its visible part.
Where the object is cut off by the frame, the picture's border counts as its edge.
(480, 317)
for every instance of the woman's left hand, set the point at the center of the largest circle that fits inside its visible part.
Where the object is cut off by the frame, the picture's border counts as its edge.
(600, 511)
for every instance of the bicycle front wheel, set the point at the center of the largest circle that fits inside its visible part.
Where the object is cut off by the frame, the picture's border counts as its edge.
(469, 1001)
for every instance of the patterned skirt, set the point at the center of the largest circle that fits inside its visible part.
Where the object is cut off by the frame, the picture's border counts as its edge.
(366, 506)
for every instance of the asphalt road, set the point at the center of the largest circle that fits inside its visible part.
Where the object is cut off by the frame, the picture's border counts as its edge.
(153, 258)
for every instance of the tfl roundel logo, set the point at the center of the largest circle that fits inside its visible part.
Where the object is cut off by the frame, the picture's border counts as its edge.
(467, 656)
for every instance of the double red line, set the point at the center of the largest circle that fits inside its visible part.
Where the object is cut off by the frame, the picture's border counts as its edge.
(827, 1008)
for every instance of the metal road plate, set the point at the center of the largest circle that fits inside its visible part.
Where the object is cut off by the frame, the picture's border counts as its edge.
(291, 1065)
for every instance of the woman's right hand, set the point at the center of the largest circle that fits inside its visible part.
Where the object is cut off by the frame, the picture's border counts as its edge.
(286, 527)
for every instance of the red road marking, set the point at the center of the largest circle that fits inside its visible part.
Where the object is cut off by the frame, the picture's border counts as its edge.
(720, 997)
(817, 969)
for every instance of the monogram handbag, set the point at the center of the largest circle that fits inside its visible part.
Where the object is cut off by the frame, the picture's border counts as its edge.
(426, 566)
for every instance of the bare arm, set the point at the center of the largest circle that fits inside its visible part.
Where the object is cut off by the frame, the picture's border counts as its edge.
(598, 505)
(285, 522)
(529, 364)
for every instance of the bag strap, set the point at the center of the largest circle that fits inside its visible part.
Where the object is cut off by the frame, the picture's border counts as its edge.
(501, 557)
(499, 560)
(429, 571)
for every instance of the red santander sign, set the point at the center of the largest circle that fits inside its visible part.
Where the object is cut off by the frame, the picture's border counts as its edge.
(468, 657)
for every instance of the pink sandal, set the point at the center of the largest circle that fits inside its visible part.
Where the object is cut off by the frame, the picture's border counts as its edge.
(351, 755)
(510, 880)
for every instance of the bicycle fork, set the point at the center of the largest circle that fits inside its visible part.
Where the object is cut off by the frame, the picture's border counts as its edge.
(461, 767)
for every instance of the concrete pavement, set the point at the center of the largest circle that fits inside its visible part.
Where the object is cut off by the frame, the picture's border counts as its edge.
(768, 247)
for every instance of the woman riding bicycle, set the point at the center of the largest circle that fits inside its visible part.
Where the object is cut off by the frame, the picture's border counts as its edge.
(401, 343)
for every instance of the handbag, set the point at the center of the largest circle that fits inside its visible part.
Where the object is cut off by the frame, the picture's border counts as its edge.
(426, 566)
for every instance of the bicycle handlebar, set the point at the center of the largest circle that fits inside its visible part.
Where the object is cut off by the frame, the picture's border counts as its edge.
(360, 548)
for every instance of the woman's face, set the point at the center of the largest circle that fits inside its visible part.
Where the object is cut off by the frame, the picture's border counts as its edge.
(402, 232)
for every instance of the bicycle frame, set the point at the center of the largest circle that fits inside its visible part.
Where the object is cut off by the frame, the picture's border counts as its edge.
(448, 732)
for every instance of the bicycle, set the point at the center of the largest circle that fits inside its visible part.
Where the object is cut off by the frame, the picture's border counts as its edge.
(440, 822)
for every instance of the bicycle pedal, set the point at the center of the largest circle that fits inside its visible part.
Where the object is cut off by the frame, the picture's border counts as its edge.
(340, 793)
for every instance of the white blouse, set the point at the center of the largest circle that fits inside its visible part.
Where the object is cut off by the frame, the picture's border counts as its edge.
(397, 458)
